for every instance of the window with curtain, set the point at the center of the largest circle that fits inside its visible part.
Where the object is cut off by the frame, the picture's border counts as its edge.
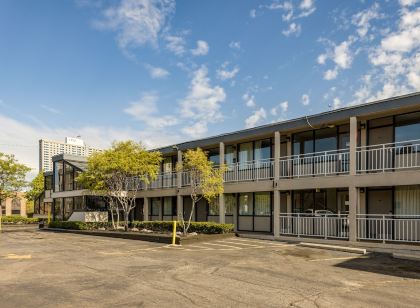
(262, 204)
(262, 149)
(167, 206)
(229, 155)
(407, 200)
(156, 203)
(246, 204)
(168, 165)
(245, 152)
(214, 207)
(230, 203)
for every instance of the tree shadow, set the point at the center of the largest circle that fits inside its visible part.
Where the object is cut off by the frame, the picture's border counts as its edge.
(383, 264)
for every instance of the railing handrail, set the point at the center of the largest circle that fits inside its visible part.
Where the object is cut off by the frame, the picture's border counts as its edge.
(251, 162)
(377, 216)
(320, 153)
(390, 144)
(313, 215)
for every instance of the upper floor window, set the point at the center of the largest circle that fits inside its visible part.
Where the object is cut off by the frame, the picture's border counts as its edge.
(58, 176)
(407, 127)
(214, 156)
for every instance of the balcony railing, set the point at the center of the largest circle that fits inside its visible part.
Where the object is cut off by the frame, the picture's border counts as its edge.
(165, 180)
(250, 171)
(399, 228)
(315, 164)
(388, 157)
(313, 225)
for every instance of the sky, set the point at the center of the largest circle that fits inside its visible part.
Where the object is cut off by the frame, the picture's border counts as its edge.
(166, 71)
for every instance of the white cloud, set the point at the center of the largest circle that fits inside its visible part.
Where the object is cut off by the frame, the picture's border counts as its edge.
(342, 55)
(258, 116)
(176, 44)
(322, 58)
(201, 50)
(282, 107)
(363, 18)
(331, 74)
(305, 100)
(336, 103)
(137, 22)
(235, 45)
(145, 110)
(195, 130)
(223, 73)
(253, 13)
(50, 109)
(203, 102)
(408, 2)
(306, 4)
(249, 100)
(157, 72)
(293, 29)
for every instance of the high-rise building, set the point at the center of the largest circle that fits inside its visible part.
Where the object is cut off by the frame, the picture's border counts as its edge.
(73, 146)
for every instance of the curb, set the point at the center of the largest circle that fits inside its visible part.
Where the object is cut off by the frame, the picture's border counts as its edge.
(406, 256)
(361, 251)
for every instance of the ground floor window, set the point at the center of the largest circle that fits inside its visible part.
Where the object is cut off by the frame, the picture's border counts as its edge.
(214, 209)
(333, 201)
(78, 203)
(230, 203)
(58, 209)
(169, 206)
(262, 205)
(246, 206)
(156, 204)
(68, 207)
(407, 200)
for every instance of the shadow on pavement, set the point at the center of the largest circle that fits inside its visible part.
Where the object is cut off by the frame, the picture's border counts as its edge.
(384, 264)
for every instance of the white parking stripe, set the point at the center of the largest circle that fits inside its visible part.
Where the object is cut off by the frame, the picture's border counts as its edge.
(200, 247)
(215, 244)
(265, 242)
(243, 244)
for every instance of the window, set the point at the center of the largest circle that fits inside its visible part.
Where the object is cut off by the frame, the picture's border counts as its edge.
(156, 204)
(245, 152)
(68, 177)
(78, 203)
(168, 164)
(407, 127)
(325, 139)
(58, 176)
(262, 204)
(407, 200)
(214, 209)
(303, 143)
(262, 149)
(48, 182)
(77, 185)
(16, 204)
(230, 203)
(68, 207)
(230, 155)
(58, 209)
(168, 206)
(214, 156)
(245, 204)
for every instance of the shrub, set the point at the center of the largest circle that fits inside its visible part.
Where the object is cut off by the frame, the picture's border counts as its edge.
(18, 220)
(199, 227)
(157, 226)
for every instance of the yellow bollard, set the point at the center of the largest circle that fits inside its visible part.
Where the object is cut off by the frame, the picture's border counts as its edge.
(49, 216)
(174, 233)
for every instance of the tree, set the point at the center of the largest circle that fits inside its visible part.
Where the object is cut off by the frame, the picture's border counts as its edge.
(12, 176)
(36, 187)
(119, 172)
(206, 181)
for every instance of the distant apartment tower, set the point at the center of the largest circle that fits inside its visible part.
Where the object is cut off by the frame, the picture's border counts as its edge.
(73, 146)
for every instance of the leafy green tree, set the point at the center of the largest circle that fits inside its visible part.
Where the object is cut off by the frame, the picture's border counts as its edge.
(119, 172)
(36, 187)
(12, 176)
(206, 181)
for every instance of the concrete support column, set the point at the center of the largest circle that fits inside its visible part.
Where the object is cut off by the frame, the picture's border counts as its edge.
(222, 196)
(180, 206)
(276, 193)
(353, 198)
(146, 209)
(179, 173)
(353, 145)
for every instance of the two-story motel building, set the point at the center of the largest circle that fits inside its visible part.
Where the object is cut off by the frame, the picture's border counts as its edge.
(350, 174)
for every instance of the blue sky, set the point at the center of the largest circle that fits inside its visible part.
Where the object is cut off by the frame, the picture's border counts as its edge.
(162, 72)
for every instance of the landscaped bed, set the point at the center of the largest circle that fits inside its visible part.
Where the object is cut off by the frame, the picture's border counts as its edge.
(156, 231)
(18, 220)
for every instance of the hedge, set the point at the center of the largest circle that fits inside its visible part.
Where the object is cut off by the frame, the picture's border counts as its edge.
(18, 220)
(157, 226)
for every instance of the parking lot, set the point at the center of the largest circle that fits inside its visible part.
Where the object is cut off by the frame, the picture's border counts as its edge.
(66, 270)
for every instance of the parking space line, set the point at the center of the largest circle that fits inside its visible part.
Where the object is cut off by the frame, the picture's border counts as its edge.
(265, 242)
(202, 247)
(215, 244)
(243, 244)
(338, 258)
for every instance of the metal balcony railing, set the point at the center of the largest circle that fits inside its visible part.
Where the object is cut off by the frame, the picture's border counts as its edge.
(315, 225)
(164, 180)
(250, 171)
(388, 157)
(333, 162)
(399, 228)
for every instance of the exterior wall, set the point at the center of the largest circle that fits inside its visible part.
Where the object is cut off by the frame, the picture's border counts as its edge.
(9, 207)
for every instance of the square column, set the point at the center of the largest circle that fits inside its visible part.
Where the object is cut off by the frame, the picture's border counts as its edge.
(276, 193)
(221, 196)
(353, 198)
(353, 145)
(179, 173)
(146, 209)
(179, 207)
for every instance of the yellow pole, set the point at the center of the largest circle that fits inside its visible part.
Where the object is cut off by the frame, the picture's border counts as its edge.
(174, 233)
(49, 216)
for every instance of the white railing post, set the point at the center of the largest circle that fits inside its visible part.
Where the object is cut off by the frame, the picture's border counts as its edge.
(383, 229)
(325, 227)
(298, 224)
